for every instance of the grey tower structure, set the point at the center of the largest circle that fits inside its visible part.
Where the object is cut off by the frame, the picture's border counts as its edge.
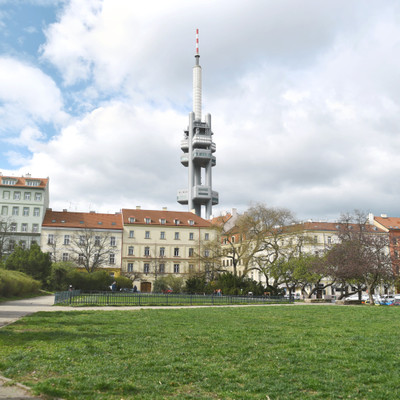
(198, 149)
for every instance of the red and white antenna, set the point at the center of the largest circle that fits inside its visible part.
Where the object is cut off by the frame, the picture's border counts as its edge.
(197, 42)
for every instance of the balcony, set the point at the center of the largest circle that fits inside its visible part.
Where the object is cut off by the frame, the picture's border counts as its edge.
(185, 145)
(202, 157)
(182, 196)
(185, 159)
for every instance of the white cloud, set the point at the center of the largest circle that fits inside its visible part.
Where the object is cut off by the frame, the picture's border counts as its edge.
(27, 94)
(304, 98)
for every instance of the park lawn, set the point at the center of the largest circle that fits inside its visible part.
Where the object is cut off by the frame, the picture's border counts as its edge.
(275, 352)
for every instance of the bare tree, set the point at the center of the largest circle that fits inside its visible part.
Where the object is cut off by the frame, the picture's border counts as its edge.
(5, 236)
(91, 249)
(361, 258)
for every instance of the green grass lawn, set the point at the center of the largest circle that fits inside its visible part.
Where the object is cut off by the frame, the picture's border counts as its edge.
(276, 352)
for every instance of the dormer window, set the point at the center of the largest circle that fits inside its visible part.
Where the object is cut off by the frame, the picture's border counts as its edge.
(191, 222)
(8, 181)
(177, 222)
(32, 183)
(131, 220)
(162, 221)
(147, 220)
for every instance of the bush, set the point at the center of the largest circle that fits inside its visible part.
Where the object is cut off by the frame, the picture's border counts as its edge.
(123, 282)
(98, 280)
(14, 283)
(195, 285)
(164, 283)
(231, 284)
(59, 276)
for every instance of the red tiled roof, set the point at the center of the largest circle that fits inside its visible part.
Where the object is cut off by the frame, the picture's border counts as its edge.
(390, 223)
(332, 226)
(23, 181)
(170, 216)
(91, 220)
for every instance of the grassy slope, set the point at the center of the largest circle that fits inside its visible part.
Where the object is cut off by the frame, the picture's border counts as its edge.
(294, 352)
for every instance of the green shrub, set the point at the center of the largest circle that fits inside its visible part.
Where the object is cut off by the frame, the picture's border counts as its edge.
(195, 285)
(164, 283)
(58, 279)
(123, 282)
(14, 283)
(98, 280)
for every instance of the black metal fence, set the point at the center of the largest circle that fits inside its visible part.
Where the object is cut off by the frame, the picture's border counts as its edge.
(78, 298)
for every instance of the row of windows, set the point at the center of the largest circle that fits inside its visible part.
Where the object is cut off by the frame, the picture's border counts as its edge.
(67, 257)
(26, 211)
(163, 235)
(16, 195)
(22, 243)
(98, 240)
(24, 227)
(159, 268)
(162, 252)
(162, 221)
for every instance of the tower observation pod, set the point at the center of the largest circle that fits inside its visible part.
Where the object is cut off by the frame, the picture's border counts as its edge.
(198, 152)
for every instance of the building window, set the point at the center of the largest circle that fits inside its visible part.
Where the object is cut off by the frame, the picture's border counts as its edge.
(8, 181)
(65, 257)
(131, 234)
(162, 251)
(315, 239)
(232, 239)
(11, 244)
(35, 228)
(161, 268)
(27, 196)
(112, 241)
(66, 239)
(97, 240)
(191, 236)
(38, 196)
(25, 211)
(191, 252)
(176, 251)
(131, 220)
(162, 221)
(147, 251)
(176, 268)
(396, 254)
(191, 222)
(329, 239)
(36, 212)
(147, 220)
(32, 183)
(81, 240)
(24, 228)
(6, 195)
(176, 235)
(13, 227)
(130, 267)
(146, 268)
(191, 268)
(394, 241)
(22, 243)
(177, 222)
(130, 250)
(162, 235)
(206, 253)
(50, 239)
(80, 259)
(207, 236)
(112, 258)
(147, 235)
(4, 210)
(15, 211)
(17, 195)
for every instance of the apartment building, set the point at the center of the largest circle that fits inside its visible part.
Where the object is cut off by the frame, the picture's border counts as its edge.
(90, 240)
(160, 242)
(23, 202)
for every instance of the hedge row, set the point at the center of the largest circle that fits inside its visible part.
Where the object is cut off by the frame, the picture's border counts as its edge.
(14, 283)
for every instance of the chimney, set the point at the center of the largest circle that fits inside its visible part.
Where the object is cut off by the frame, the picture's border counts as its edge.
(165, 208)
(138, 207)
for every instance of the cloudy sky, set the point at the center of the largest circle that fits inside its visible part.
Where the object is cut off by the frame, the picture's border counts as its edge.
(304, 97)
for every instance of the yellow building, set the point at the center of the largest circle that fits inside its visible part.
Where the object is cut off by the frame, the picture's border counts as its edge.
(160, 243)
